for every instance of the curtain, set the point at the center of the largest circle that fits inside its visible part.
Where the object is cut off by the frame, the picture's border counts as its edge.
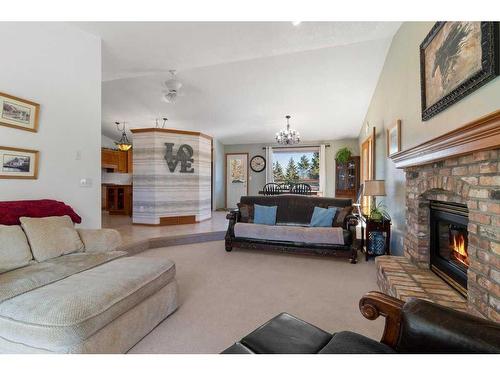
(269, 164)
(322, 170)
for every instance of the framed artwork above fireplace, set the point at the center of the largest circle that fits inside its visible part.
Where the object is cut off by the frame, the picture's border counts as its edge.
(456, 58)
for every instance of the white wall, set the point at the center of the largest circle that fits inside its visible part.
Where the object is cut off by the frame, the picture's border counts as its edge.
(397, 96)
(59, 67)
(218, 175)
(107, 142)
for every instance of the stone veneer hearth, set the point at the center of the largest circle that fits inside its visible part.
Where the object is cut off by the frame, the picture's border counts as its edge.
(473, 180)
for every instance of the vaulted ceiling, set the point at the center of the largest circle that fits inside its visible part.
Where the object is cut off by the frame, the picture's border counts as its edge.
(240, 79)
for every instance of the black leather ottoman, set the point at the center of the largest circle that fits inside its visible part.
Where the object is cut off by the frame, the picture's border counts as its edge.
(286, 334)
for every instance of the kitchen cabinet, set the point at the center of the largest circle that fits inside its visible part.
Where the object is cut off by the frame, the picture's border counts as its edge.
(116, 160)
(118, 199)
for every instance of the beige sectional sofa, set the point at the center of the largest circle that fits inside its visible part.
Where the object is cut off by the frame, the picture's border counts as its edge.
(64, 290)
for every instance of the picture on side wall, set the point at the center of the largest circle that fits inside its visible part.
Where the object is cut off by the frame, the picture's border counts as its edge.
(456, 58)
(18, 163)
(393, 137)
(18, 113)
(237, 172)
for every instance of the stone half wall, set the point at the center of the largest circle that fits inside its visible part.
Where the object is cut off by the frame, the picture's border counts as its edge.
(473, 180)
(158, 192)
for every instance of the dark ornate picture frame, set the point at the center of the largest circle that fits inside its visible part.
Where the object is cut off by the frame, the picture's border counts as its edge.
(489, 70)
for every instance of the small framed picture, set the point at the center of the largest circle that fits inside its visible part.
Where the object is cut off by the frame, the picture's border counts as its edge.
(18, 163)
(394, 138)
(18, 113)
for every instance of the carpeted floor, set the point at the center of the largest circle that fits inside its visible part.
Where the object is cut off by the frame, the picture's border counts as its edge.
(224, 296)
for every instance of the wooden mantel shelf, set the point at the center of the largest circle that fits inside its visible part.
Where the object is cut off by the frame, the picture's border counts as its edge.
(481, 134)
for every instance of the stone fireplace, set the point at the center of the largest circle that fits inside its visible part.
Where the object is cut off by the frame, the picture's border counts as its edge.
(449, 243)
(453, 200)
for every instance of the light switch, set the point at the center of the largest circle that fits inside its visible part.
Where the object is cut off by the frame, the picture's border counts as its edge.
(86, 182)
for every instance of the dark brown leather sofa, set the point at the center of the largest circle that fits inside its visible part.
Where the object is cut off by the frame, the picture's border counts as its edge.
(414, 327)
(295, 209)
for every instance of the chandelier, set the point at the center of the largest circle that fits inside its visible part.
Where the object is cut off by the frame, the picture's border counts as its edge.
(287, 136)
(123, 144)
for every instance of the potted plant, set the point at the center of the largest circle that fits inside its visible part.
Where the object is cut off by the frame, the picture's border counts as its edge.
(343, 155)
(379, 212)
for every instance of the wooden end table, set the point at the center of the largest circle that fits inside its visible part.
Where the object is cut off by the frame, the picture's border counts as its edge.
(371, 226)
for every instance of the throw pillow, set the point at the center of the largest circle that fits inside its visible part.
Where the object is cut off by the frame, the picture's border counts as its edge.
(265, 214)
(323, 217)
(246, 212)
(14, 249)
(50, 237)
(341, 215)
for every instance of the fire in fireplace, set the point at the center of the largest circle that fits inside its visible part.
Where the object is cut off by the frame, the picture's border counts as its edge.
(449, 241)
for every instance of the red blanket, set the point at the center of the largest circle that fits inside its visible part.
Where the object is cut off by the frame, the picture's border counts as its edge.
(10, 212)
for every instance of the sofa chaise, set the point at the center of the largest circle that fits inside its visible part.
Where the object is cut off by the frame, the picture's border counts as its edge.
(67, 290)
(292, 232)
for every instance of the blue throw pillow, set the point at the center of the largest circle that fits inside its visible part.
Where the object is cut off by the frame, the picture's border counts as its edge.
(264, 214)
(323, 217)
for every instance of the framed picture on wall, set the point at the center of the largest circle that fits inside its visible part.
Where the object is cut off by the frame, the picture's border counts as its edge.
(393, 137)
(18, 163)
(18, 113)
(456, 58)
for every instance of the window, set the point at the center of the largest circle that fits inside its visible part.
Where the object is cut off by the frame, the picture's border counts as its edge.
(297, 164)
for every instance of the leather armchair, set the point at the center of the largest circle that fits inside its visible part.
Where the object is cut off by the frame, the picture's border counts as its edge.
(417, 327)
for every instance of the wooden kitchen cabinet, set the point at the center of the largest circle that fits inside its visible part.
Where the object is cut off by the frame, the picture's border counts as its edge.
(119, 199)
(116, 160)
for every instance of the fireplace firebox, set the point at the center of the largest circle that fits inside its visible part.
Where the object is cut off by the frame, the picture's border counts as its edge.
(449, 242)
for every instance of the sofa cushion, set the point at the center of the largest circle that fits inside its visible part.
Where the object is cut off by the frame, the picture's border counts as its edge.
(50, 237)
(323, 217)
(340, 216)
(265, 214)
(316, 235)
(346, 342)
(71, 310)
(286, 334)
(36, 275)
(14, 249)
(246, 212)
(100, 240)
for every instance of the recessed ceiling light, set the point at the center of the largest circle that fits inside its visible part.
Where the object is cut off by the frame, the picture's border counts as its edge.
(296, 23)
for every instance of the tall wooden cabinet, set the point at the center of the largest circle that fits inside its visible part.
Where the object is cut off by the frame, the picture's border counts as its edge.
(347, 178)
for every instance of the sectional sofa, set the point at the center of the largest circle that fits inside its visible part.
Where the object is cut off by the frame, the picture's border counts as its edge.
(67, 290)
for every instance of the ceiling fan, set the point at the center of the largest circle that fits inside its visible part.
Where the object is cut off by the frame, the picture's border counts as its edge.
(173, 86)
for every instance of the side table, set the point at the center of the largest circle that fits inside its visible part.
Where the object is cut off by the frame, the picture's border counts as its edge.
(371, 228)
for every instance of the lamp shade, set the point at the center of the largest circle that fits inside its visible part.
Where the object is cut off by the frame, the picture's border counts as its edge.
(374, 188)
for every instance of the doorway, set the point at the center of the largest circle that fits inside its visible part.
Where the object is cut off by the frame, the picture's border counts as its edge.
(236, 178)
(367, 167)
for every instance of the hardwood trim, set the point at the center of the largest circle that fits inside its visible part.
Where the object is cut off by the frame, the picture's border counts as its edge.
(178, 220)
(35, 172)
(37, 114)
(374, 304)
(480, 134)
(225, 172)
(175, 131)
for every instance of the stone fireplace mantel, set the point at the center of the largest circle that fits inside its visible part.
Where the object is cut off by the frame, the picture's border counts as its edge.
(478, 135)
(460, 167)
